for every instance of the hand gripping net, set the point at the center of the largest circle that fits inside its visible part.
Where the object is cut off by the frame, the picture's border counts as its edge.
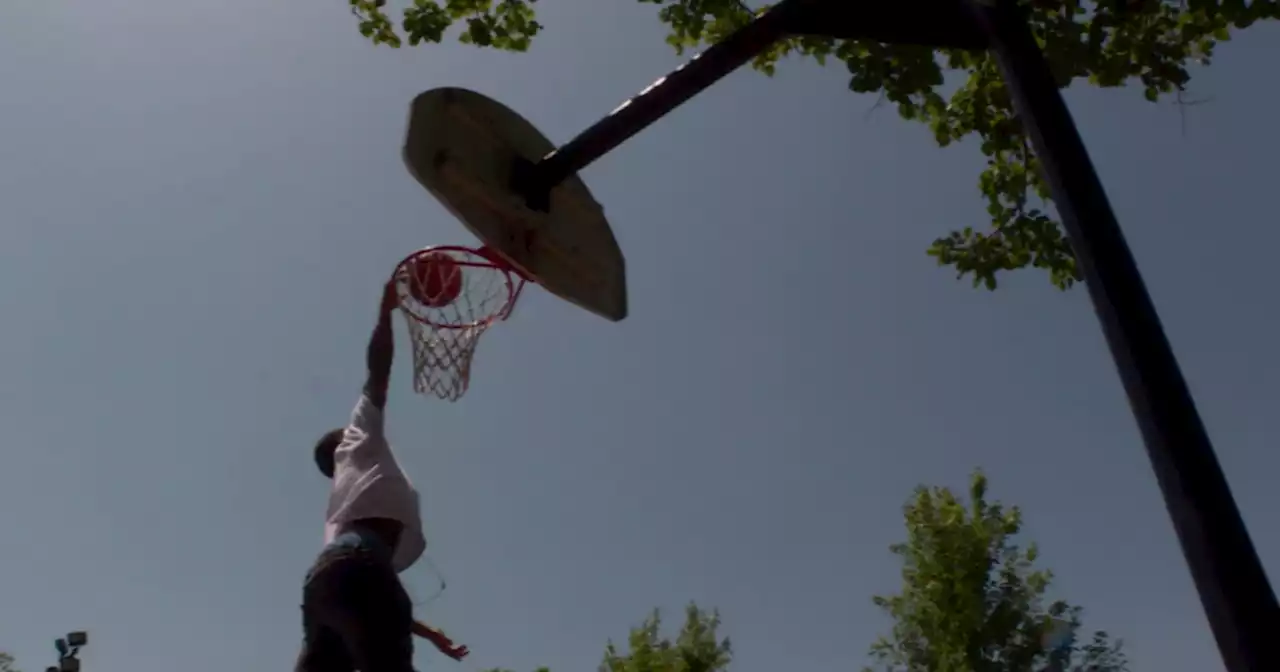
(449, 296)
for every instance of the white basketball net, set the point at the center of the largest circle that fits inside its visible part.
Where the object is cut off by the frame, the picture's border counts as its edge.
(444, 333)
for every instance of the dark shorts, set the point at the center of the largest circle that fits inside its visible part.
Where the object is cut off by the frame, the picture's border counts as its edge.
(355, 613)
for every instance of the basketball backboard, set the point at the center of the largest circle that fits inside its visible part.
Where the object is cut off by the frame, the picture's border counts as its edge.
(462, 146)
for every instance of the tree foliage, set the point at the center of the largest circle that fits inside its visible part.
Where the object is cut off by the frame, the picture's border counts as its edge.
(957, 94)
(6, 663)
(696, 648)
(972, 599)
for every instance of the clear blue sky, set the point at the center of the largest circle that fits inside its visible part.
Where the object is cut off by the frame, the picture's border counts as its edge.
(200, 201)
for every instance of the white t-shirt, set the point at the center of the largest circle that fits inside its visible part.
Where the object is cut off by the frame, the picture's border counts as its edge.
(369, 483)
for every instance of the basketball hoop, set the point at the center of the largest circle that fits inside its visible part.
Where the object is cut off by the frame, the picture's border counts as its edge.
(449, 296)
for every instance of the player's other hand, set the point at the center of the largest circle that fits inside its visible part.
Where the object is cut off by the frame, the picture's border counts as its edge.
(440, 640)
(455, 652)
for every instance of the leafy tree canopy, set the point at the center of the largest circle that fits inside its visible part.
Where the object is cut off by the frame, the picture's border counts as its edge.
(957, 94)
(696, 648)
(972, 599)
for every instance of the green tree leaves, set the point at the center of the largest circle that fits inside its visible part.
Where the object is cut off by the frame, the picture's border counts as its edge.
(696, 648)
(504, 24)
(972, 599)
(958, 95)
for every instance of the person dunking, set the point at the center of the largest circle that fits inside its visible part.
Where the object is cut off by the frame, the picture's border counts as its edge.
(356, 614)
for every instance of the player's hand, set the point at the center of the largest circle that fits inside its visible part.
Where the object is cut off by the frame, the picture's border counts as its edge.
(455, 652)
(446, 645)
(440, 640)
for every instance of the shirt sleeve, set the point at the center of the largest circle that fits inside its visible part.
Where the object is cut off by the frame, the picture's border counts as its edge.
(366, 418)
(363, 438)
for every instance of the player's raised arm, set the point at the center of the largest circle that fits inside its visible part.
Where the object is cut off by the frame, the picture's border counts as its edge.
(381, 349)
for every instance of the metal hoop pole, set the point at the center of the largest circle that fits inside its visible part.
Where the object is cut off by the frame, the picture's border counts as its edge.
(938, 23)
(1234, 589)
(535, 181)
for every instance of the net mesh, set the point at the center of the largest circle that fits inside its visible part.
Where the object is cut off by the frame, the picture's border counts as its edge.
(449, 298)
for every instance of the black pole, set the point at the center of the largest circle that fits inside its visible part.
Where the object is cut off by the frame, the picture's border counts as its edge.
(939, 23)
(1234, 590)
(534, 181)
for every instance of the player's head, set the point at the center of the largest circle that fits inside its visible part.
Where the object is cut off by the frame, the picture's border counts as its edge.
(325, 448)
